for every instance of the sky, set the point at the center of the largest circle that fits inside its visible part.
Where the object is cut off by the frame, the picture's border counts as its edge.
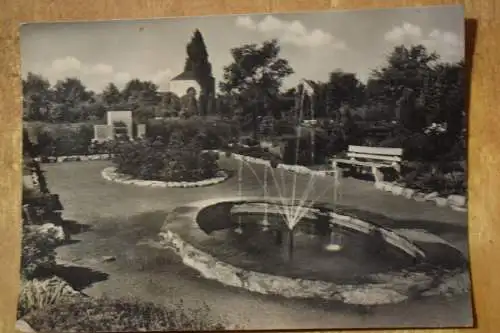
(314, 43)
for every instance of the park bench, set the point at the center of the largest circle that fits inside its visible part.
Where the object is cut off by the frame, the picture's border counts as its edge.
(374, 158)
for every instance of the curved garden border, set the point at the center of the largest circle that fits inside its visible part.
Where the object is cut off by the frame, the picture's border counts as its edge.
(75, 158)
(111, 174)
(387, 288)
(300, 169)
(456, 202)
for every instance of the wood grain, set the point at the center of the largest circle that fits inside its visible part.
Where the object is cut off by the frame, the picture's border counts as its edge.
(484, 209)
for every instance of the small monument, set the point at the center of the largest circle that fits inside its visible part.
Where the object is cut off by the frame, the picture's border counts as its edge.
(118, 123)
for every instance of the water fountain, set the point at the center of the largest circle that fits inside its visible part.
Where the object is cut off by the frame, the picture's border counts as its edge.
(292, 209)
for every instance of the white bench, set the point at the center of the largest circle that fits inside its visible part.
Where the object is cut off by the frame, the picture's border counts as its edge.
(374, 158)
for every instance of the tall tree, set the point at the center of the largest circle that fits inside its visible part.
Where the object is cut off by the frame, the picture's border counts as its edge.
(256, 75)
(36, 96)
(137, 92)
(71, 92)
(406, 69)
(197, 62)
(197, 57)
(343, 89)
(111, 95)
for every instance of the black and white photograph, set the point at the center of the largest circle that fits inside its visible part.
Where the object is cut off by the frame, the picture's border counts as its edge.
(270, 171)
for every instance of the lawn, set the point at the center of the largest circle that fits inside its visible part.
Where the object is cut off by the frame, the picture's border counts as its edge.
(124, 219)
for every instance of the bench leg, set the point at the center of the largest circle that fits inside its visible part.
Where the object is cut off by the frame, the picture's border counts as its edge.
(379, 176)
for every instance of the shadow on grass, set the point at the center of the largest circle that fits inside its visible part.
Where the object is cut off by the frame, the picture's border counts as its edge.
(78, 277)
(73, 227)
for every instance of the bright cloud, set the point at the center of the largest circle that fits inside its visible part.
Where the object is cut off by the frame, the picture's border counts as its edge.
(101, 69)
(97, 76)
(290, 32)
(400, 33)
(448, 45)
(66, 64)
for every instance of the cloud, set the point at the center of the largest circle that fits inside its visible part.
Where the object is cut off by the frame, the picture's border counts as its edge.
(290, 32)
(121, 78)
(66, 64)
(97, 76)
(449, 45)
(101, 69)
(400, 33)
(161, 76)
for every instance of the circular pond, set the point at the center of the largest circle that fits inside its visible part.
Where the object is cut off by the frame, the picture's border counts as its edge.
(256, 236)
(294, 250)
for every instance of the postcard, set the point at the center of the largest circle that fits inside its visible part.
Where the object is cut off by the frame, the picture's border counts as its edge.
(268, 171)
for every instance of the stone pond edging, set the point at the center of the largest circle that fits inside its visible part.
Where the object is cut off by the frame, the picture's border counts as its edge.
(456, 202)
(111, 174)
(386, 288)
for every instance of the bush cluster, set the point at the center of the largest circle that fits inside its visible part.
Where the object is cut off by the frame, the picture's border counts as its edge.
(170, 161)
(213, 134)
(37, 251)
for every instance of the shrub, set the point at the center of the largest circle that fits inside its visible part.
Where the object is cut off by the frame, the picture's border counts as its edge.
(39, 294)
(210, 133)
(106, 315)
(37, 251)
(175, 161)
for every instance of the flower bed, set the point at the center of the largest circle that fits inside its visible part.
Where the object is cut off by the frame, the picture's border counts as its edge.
(111, 174)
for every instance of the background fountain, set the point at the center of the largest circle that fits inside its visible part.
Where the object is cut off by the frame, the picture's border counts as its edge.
(292, 209)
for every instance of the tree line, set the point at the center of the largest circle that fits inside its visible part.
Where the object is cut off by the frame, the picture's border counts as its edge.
(414, 88)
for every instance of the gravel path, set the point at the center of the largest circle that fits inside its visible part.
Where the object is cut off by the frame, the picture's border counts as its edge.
(121, 216)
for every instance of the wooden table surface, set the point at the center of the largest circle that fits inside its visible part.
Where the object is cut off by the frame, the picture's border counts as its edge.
(483, 41)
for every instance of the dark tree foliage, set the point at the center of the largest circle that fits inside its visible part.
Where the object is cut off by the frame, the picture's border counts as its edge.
(197, 62)
(255, 76)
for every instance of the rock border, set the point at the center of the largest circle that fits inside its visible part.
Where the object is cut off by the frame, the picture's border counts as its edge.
(76, 158)
(385, 288)
(300, 169)
(455, 202)
(111, 174)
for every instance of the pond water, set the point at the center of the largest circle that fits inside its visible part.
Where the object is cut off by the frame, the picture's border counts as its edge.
(255, 236)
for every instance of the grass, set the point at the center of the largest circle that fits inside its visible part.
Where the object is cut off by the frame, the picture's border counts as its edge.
(119, 315)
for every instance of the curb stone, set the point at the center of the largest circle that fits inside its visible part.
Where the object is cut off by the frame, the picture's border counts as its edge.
(293, 168)
(75, 158)
(455, 202)
(110, 174)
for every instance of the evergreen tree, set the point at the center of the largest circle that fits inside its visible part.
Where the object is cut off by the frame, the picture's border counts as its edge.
(197, 62)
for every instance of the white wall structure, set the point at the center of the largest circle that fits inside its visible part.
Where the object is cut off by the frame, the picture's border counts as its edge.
(179, 87)
(180, 84)
(121, 116)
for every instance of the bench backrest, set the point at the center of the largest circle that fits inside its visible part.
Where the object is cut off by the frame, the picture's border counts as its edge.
(375, 153)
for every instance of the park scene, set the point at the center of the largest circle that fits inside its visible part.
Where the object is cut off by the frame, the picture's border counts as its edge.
(282, 172)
